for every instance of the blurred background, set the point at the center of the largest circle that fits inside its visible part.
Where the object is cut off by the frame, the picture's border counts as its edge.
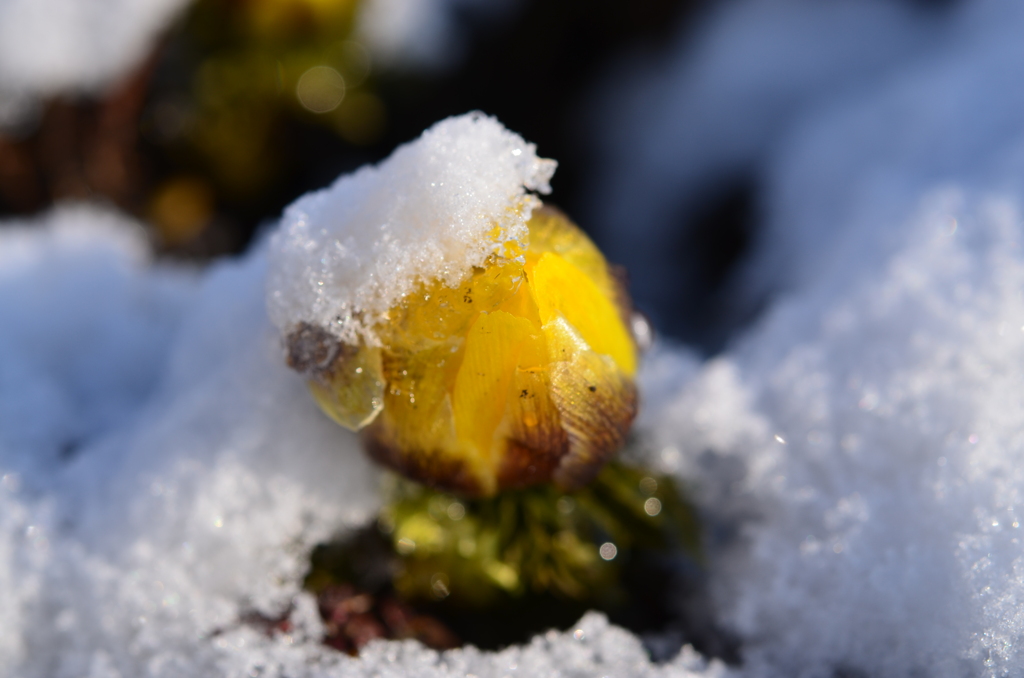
(204, 118)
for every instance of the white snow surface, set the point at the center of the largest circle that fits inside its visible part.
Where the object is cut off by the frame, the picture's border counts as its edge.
(164, 474)
(347, 254)
(50, 47)
(865, 443)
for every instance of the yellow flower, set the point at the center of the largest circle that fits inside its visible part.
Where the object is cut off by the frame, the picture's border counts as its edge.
(521, 375)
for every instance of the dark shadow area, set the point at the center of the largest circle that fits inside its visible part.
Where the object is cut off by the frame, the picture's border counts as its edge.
(684, 282)
(665, 604)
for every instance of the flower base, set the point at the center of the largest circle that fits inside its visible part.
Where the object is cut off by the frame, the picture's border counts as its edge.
(531, 560)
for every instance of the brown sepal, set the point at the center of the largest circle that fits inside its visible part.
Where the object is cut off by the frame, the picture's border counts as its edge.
(430, 468)
(597, 404)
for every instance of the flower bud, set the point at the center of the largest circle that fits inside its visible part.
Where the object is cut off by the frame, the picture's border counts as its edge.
(522, 374)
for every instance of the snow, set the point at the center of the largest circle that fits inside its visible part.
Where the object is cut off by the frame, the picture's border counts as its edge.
(347, 254)
(50, 47)
(856, 453)
(866, 442)
(200, 476)
(59, 366)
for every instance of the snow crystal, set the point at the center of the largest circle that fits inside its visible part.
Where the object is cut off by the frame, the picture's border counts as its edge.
(50, 47)
(866, 442)
(434, 209)
(201, 474)
(591, 648)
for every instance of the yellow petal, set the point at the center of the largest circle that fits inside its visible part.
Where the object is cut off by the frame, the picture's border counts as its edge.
(415, 434)
(491, 356)
(417, 397)
(552, 231)
(436, 313)
(561, 289)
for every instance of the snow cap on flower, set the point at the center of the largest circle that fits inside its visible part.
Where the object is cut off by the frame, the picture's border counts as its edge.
(437, 207)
